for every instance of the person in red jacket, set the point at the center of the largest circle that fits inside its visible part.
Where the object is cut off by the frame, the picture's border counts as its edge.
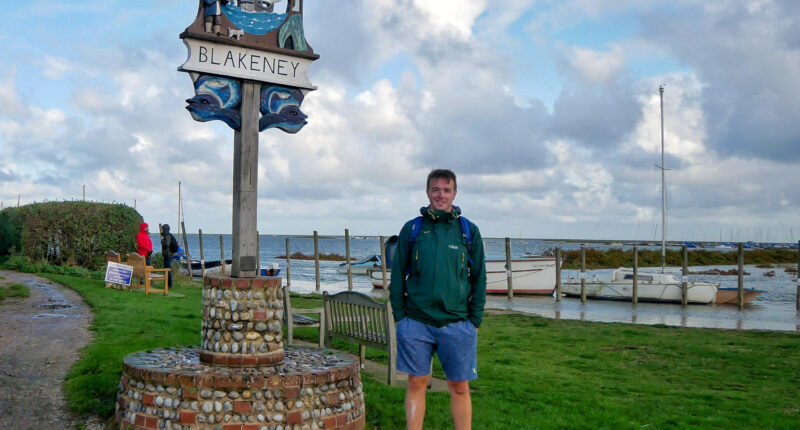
(144, 246)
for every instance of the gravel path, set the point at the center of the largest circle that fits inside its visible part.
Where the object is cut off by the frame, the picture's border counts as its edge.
(39, 341)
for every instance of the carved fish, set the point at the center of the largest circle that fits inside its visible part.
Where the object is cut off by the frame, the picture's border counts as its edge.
(280, 108)
(216, 98)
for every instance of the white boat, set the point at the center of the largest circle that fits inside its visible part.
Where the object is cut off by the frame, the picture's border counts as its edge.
(532, 275)
(360, 267)
(652, 287)
(661, 287)
(536, 275)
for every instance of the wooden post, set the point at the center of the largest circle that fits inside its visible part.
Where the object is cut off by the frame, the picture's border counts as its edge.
(186, 250)
(558, 274)
(84, 192)
(222, 262)
(316, 258)
(288, 266)
(202, 255)
(258, 254)
(509, 273)
(179, 203)
(347, 259)
(740, 298)
(19, 196)
(583, 273)
(635, 298)
(245, 185)
(684, 276)
(383, 265)
(797, 293)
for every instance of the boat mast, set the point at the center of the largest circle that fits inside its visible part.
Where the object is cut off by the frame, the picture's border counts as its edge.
(663, 187)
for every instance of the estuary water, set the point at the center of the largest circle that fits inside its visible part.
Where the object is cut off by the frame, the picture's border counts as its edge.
(772, 310)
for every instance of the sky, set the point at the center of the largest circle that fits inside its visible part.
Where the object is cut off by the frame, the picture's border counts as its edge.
(548, 112)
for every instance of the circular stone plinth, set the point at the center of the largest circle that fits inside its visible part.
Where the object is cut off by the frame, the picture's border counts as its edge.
(172, 389)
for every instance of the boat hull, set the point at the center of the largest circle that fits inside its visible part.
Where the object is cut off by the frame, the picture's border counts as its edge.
(730, 296)
(529, 276)
(698, 292)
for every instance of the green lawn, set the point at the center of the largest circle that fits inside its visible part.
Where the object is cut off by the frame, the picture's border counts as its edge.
(534, 372)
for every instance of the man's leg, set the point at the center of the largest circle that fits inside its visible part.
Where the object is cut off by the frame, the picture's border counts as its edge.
(415, 401)
(460, 404)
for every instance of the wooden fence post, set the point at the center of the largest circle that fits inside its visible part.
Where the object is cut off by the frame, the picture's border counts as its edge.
(202, 255)
(509, 272)
(316, 258)
(740, 298)
(347, 259)
(797, 293)
(685, 276)
(635, 292)
(558, 274)
(383, 266)
(583, 273)
(288, 266)
(222, 262)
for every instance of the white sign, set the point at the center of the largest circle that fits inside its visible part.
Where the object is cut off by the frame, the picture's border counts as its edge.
(245, 63)
(117, 273)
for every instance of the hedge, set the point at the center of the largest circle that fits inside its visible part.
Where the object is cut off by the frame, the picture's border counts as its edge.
(72, 233)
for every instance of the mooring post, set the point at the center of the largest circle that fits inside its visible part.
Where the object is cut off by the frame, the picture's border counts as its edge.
(583, 273)
(186, 250)
(383, 266)
(558, 274)
(316, 258)
(222, 262)
(635, 292)
(509, 273)
(685, 276)
(797, 293)
(740, 284)
(288, 265)
(202, 254)
(245, 185)
(347, 259)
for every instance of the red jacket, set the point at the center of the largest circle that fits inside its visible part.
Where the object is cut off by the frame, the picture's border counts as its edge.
(144, 246)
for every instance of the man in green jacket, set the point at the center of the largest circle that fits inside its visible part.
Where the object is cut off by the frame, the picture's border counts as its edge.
(438, 291)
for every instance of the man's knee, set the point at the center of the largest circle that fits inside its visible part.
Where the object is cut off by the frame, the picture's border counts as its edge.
(458, 387)
(417, 383)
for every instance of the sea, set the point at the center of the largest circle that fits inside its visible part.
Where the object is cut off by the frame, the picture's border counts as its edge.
(773, 310)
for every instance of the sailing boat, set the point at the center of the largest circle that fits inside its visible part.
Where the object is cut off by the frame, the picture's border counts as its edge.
(659, 287)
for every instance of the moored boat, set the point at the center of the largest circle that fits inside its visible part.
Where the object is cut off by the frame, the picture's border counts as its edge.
(360, 267)
(532, 275)
(652, 287)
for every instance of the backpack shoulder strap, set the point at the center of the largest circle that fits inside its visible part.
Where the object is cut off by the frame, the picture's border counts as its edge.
(416, 226)
(466, 233)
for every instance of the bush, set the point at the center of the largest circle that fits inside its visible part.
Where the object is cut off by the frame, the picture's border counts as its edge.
(68, 233)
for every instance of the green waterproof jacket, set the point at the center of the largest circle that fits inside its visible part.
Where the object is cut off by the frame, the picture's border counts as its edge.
(441, 287)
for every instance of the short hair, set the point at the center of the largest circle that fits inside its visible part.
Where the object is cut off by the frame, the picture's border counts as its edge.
(442, 174)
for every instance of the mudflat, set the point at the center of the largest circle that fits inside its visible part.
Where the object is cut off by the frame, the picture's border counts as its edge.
(40, 337)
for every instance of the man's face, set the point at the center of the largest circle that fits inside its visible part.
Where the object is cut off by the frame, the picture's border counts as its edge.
(441, 193)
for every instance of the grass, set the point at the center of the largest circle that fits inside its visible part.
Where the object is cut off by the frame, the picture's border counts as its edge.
(534, 372)
(14, 290)
(616, 257)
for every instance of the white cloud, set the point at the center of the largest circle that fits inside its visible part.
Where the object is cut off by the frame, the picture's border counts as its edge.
(597, 67)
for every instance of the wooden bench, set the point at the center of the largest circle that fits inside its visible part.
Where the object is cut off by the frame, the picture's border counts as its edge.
(293, 317)
(358, 318)
(147, 273)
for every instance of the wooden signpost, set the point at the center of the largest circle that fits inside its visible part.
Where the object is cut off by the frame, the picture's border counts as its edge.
(249, 65)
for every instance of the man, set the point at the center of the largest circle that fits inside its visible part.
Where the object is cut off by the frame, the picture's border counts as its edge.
(169, 245)
(144, 246)
(438, 291)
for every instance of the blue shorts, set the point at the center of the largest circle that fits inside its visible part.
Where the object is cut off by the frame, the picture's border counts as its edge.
(456, 344)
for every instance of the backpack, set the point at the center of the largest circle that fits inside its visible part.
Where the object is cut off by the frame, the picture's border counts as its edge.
(173, 244)
(466, 234)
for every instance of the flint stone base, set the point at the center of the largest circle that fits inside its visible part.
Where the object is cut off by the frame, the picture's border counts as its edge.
(172, 389)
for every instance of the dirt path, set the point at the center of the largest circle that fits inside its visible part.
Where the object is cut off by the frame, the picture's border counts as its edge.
(39, 341)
